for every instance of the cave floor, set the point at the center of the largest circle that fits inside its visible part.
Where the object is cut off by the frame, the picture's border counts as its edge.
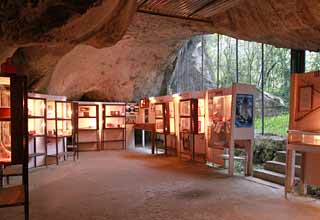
(130, 185)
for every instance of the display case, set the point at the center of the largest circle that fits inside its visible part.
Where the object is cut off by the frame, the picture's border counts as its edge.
(88, 132)
(37, 130)
(114, 126)
(201, 116)
(114, 115)
(192, 116)
(88, 117)
(304, 130)
(64, 118)
(51, 118)
(36, 116)
(13, 138)
(5, 120)
(219, 123)
(171, 115)
(160, 118)
(186, 119)
(230, 126)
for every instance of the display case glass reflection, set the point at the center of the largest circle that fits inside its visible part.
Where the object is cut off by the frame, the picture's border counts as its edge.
(87, 117)
(172, 117)
(64, 118)
(219, 119)
(201, 116)
(185, 108)
(5, 124)
(159, 113)
(36, 116)
(115, 116)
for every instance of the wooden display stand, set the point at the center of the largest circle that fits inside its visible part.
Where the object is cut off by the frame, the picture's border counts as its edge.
(37, 129)
(146, 121)
(50, 126)
(165, 108)
(304, 130)
(192, 126)
(88, 125)
(230, 125)
(114, 126)
(13, 139)
(206, 126)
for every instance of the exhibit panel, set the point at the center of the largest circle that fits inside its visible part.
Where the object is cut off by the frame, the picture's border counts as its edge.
(304, 130)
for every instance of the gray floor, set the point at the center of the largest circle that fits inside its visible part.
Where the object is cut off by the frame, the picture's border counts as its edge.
(126, 185)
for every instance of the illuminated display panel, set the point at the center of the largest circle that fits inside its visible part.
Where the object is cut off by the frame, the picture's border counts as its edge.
(114, 116)
(5, 123)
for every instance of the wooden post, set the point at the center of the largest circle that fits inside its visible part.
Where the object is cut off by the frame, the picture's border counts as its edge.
(143, 138)
(290, 171)
(303, 186)
(262, 89)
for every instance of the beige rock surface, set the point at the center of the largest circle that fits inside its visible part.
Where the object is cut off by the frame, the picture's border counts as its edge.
(103, 49)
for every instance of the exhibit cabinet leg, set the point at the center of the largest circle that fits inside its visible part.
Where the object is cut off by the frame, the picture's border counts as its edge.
(153, 136)
(249, 163)
(290, 171)
(143, 138)
(303, 186)
(231, 160)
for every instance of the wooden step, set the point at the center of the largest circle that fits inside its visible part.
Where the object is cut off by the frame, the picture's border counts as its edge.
(270, 176)
(282, 155)
(280, 167)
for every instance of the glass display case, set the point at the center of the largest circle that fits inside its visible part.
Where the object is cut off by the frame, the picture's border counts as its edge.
(185, 116)
(51, 118)
(160, 118)
(171, 129)
(88, 117)
(64, 118)
(114, 115)
(5, 120)
(219, 120)
(36, 116)
(201, 116)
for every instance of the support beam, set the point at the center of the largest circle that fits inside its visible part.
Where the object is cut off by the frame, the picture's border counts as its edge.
(298, 61)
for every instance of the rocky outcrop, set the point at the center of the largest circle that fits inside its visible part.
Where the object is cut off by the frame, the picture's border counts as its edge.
(49, 22)
(103, 49)
(138, 65)
(193, 69)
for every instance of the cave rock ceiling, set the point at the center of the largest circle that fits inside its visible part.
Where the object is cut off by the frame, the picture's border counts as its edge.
(123, 49)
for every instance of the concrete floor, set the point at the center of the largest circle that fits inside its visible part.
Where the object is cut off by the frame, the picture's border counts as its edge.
(127, 185)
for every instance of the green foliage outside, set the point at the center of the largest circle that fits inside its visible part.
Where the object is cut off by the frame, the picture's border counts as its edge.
(273, 125)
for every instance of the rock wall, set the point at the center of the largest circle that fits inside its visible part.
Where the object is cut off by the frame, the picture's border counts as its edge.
(103, 49)
(138, 65)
